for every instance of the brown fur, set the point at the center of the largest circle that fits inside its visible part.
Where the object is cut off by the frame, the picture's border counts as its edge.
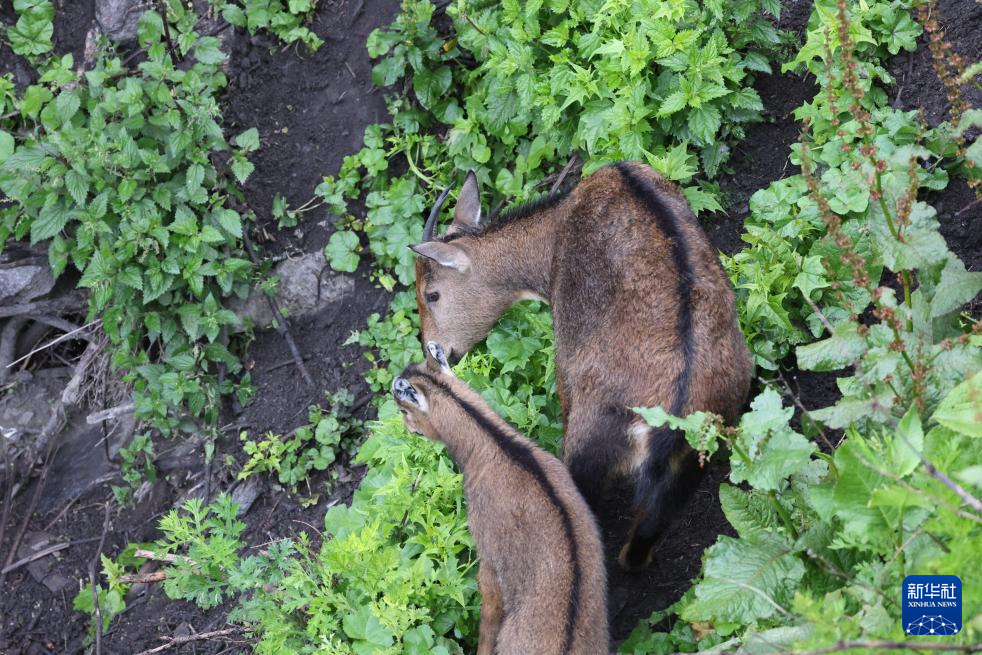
(541, 575)
(602, 258)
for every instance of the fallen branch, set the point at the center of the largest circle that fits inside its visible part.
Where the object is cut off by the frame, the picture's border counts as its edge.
(143, 578)
(163, 557)
(73, 334)
(278, 319)
(107, 414)
(562, 175)
(177, 641)
(71, 302)
(53, 420)
(44, 553)
(8, 345)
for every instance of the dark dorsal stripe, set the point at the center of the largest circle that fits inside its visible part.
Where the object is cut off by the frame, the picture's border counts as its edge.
(524, 457)
(668, 223)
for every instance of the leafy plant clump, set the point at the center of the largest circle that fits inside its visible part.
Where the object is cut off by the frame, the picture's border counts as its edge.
(311, 447)
(518, 89)
(115, 169)
(286, 20)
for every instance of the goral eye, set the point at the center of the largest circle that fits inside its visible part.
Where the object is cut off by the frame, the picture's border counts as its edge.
(432, 296)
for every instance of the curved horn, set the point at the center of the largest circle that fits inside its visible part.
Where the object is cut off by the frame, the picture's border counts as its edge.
(431, 221)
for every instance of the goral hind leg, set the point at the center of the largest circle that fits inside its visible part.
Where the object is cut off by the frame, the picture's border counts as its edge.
(492, 610)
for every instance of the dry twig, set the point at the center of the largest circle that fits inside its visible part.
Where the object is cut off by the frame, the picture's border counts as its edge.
(44, 553)
(278, 318)
(144, 578)
(177, 641)
(562, 175)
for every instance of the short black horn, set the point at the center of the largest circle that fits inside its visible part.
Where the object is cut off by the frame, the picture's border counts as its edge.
(431, 221)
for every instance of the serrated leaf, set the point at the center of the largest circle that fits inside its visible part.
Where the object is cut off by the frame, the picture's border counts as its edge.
(248, 140)
(231, 222)
(701, 201)
(194, 177)
(77, 185)
(745, 580)
(190, 319)
(50, 221)
(673, 103)
(242, 169)
(67, 104)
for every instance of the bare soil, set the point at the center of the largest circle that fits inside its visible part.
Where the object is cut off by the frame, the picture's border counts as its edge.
(311, 111)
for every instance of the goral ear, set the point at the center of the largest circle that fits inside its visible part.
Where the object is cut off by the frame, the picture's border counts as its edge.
(436, 358)
(467, 215)
(449, 255)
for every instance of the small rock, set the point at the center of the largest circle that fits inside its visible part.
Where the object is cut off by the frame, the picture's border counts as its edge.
(117, 18)
(24, 281)
(245, 495)
(56, 582)
(298, 290)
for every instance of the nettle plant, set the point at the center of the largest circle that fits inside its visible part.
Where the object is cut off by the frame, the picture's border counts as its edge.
(519, 88)
(284, 19)
(122, 172)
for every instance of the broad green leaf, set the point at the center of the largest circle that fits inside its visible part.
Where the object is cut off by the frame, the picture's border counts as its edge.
(908, 443)
(961, 410)
(957, 287)
(745, 580)
(838, 351)
(6, 145)
(342, 251)
(248, 140)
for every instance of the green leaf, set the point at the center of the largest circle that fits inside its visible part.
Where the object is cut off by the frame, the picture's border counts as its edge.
(248, 140)
(194, 177)
(908, 443)
(429, 84)
(50, 221)
(673, 103)
(190, 319)
(242, 168)
(704, 122)
(67, 104)
(361, 625)
(78, 186)
(745, 580)
(961, 410)
(342, 251)
(843, 348)
(957, 287)
(6, 146)
(231, 222)
(774, 452)
(811, 277)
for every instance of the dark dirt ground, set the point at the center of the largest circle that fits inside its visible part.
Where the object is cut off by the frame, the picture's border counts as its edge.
(311, 110)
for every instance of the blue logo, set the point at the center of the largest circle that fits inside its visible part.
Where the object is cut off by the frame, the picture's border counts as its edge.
(932, 604)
